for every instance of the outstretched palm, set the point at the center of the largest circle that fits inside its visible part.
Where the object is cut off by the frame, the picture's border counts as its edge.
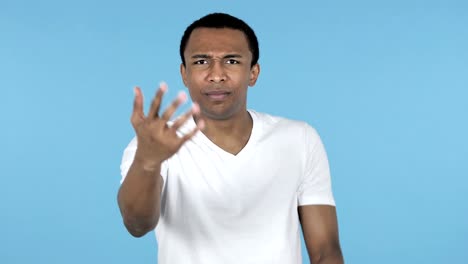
(157, 141)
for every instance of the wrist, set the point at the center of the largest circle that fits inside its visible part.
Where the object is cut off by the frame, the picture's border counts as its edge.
(148, 165)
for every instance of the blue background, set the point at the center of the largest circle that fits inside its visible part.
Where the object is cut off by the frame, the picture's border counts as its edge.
(384, 82)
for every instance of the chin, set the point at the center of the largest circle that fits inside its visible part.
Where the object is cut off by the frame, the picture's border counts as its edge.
(218, 114)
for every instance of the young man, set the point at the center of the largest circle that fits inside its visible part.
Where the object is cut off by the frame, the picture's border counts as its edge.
(223, 184)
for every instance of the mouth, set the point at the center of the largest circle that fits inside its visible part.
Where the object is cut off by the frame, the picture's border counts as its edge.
(217, 95)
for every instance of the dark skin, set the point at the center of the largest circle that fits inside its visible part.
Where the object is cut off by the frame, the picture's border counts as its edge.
(320, 228)
(217, 73)
(139, 196)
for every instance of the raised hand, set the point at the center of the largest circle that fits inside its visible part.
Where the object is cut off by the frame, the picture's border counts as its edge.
(157, 141)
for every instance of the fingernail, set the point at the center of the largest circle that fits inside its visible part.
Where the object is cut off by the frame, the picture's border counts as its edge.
(163, 86)
(182, 96)
(195, 108)
(201, 124)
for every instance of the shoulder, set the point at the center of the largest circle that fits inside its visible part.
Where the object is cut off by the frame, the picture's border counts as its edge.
(278, 123)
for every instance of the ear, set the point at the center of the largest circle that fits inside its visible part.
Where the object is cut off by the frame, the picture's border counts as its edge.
(254, 72)
(183, 74)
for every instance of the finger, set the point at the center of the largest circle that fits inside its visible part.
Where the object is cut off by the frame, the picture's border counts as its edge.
(192, 133)
(201, 124)
(182, 119)
(181, 98)
(137, 113)
(156, 103)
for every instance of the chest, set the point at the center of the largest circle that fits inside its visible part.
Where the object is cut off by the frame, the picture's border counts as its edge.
(207, 179)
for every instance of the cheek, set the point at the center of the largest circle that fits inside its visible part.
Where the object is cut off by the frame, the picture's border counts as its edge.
(194, 83)
(240, 76)
(195, 77)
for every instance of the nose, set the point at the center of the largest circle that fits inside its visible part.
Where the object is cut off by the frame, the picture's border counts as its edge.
(217, 72)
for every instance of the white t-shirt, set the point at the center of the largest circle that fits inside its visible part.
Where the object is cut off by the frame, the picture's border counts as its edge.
(222, 208)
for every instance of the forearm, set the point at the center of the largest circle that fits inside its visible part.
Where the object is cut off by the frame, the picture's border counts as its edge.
(334, 257)
(139, 198)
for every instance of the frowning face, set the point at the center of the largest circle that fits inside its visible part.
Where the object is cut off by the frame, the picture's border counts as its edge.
(218, 71)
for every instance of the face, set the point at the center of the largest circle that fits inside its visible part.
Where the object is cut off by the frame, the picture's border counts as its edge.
(218, 71)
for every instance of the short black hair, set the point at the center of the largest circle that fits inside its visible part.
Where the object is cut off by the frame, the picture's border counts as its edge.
(222, 20)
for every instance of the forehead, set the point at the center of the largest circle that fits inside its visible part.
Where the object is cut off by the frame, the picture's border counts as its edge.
(217, 41)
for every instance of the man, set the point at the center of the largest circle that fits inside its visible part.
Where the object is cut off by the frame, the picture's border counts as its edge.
(236, 191)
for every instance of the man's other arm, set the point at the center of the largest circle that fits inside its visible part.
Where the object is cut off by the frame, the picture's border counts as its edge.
(320, 228)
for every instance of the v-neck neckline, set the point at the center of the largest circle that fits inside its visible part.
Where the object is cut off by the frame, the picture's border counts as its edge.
(248, 146)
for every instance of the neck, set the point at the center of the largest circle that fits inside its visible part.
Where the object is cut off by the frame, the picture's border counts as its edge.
(230, 134)
(238, 125)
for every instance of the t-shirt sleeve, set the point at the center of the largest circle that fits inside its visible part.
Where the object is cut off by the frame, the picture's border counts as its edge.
(129, 156)
(315, 186)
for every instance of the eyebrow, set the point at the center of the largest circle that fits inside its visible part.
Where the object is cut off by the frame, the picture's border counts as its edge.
(206, 56)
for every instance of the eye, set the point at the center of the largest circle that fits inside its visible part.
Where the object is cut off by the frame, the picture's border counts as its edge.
(200, 62)
(232, 61)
